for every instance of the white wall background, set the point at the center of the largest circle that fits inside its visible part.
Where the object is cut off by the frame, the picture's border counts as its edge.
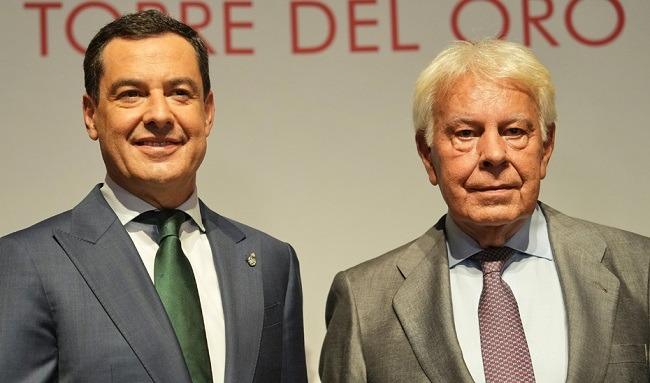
(318, 149)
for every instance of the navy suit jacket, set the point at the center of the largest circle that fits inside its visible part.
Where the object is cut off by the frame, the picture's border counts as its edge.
(77, 304)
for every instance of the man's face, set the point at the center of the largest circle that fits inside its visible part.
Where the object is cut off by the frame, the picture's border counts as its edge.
(152, 118)
(487, 154)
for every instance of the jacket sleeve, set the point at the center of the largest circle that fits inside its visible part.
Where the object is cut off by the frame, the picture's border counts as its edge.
(28, 350)
(342, 358)
(294, 368)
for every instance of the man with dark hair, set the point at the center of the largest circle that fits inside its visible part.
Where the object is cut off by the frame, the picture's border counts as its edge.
(139, 26)
(141, 282)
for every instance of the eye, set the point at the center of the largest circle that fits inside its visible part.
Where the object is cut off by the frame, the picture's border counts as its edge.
(129, 96)
(181, 94)
(514, 132)
(465, 133)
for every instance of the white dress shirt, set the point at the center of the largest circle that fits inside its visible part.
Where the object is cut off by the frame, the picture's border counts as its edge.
(196, 247)
(533, 279)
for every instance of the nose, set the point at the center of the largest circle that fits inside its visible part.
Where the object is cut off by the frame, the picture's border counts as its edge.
(158, 114)
(492, 150)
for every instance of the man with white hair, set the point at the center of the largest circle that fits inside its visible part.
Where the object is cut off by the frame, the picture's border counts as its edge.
(503, 288)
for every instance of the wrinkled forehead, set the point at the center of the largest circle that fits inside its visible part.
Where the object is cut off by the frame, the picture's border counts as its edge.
(470, 87)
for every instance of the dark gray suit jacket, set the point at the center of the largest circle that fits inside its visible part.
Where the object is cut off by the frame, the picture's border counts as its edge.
(390, 319)
(77, 304)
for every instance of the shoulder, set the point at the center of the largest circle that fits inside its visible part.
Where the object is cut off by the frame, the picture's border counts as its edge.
(624, 253)
(254, 240)
(254, 233)
(393, 266)
(235, 229)
(39, 232)
(26, 256)
(614, 238)
(378, 266)
(371, 284)
(91, 208)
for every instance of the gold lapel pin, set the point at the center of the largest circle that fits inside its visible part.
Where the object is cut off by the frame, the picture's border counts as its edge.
(251, 260)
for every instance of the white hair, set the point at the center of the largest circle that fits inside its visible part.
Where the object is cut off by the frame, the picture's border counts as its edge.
(489, 59)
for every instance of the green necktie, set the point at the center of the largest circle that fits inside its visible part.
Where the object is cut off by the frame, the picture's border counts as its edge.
(174, 281)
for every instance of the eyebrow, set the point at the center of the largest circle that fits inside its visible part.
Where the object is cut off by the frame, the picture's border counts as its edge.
(124, 82)
(473, 122)
(185, 81)
(142, 84)
(463, 120)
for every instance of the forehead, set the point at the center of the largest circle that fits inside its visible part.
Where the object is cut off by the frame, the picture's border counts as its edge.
(474, 96)
(167, 54)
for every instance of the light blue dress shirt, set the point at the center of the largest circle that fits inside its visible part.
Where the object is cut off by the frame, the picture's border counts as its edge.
(533, 279)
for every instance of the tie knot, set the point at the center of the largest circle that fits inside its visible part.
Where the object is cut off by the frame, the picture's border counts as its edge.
(168, 221)
(492, 259)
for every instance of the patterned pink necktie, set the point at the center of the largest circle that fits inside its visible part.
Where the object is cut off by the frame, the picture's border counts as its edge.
(506, 358)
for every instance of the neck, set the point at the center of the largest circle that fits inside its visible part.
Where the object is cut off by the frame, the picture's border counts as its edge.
(161, 196)
(490, 236)
(163, 199)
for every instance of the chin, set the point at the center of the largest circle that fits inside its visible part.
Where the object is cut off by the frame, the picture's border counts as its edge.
(163, 180)
(497, 215)
(161, 177)
(160, 173)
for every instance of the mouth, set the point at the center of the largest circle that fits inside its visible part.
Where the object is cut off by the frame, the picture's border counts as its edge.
(157, 147)
(156, 142)
(492, 188)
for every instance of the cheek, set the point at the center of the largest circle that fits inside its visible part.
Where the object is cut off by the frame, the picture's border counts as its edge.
(529, 168)
(119, 125)
(200, 147)
(455, 171)
(531, 175)
(452, 181)
(192, 120)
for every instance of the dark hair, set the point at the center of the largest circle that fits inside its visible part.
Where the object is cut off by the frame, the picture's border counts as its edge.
(136, 26)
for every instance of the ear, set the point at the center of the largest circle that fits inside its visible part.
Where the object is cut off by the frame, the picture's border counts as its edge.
(89, 110)
(208, 105)
(549, 144)
(424, 150)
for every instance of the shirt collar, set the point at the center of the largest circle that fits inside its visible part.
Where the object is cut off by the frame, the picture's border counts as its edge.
(127, 206)
(531, 239)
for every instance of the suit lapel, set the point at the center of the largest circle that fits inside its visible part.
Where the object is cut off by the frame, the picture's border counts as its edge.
(106, 258)
(590, 293)
(241, 294)
(423, 307)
